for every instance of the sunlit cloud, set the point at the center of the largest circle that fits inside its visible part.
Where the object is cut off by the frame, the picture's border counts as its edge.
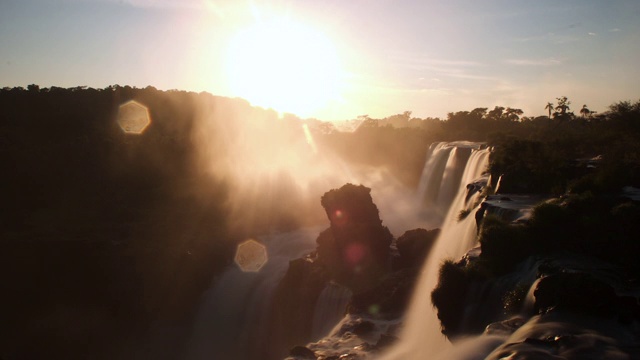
(424, 90)
(217, 8)
(163, 3)
(468, 76)
(439, 68)
(424, 61)
(561, 35)
(562, 39)
(533, 62)
(592, 34)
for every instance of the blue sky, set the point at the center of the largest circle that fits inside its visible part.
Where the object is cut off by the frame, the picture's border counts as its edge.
(430, 57)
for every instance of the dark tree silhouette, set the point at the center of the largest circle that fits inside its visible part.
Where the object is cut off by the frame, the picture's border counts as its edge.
(512, 114)
(562, 109)
(550, 108)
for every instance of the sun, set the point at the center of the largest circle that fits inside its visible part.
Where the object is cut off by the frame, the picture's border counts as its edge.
(284, 65)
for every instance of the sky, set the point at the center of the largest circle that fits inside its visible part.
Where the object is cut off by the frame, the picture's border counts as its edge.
(335, 59)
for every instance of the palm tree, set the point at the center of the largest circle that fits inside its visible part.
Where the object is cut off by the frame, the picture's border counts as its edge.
(550, 107)
(585, 111)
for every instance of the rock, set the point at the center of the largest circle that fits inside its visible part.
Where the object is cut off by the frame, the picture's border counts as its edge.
(389, 297)
(327, 251)
(356, 250)
(358, 327)
(414, 245)
(505, 327)
(385, 341)
(449, 297)
(302, 352)
(365, 347)
(575, 292)
(628, 309)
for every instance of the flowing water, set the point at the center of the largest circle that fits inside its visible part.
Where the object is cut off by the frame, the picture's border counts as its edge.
(233, 314)
(421, 337)
(330, 309)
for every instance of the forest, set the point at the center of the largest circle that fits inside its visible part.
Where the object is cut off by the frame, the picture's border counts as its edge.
(105, 232)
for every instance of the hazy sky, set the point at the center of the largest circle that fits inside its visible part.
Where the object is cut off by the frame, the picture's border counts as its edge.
(430, 57)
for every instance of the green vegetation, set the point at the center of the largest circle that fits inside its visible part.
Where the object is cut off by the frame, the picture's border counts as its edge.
(597, 226)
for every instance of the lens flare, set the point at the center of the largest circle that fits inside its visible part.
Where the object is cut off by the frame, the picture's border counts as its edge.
(374, 309)
(133, 117)
(251, 256)
(338, 218)
(355, 253)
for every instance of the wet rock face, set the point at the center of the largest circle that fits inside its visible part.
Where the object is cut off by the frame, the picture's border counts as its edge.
(577, 292)
(414, 245)
(356, 247)
(302, 352)
(389, 297)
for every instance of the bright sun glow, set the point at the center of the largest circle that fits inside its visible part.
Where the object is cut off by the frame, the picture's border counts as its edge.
(285, 66)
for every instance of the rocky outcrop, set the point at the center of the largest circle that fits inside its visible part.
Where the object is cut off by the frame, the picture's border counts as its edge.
(355, 248)
(575, 292)
(390, 296)
(355, 251)
(413, 247)
(565, 305)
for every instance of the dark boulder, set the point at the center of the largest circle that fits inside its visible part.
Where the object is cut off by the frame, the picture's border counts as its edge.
(358, 327)
(356, 250)
(414, 246)
(449, 296)
(389, 297)
(302, 352)
(575, 292)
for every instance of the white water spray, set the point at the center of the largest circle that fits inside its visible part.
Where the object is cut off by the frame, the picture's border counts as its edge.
(421, 337)
(234, 312)
(330, 309)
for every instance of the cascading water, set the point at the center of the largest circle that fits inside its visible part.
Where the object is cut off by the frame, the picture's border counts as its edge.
(421, 337)
(233, 314)
(330, 309)
(442, 175)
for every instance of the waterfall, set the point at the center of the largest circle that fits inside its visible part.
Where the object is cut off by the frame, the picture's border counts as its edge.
(232, 318)
(330, 309)
(421, 337)
(442, 175)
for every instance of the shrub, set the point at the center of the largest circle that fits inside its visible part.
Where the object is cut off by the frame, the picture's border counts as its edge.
(503, 245)
(449, 296)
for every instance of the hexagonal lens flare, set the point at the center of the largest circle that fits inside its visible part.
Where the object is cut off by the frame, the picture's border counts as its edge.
(251, 256)
(133, 117)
